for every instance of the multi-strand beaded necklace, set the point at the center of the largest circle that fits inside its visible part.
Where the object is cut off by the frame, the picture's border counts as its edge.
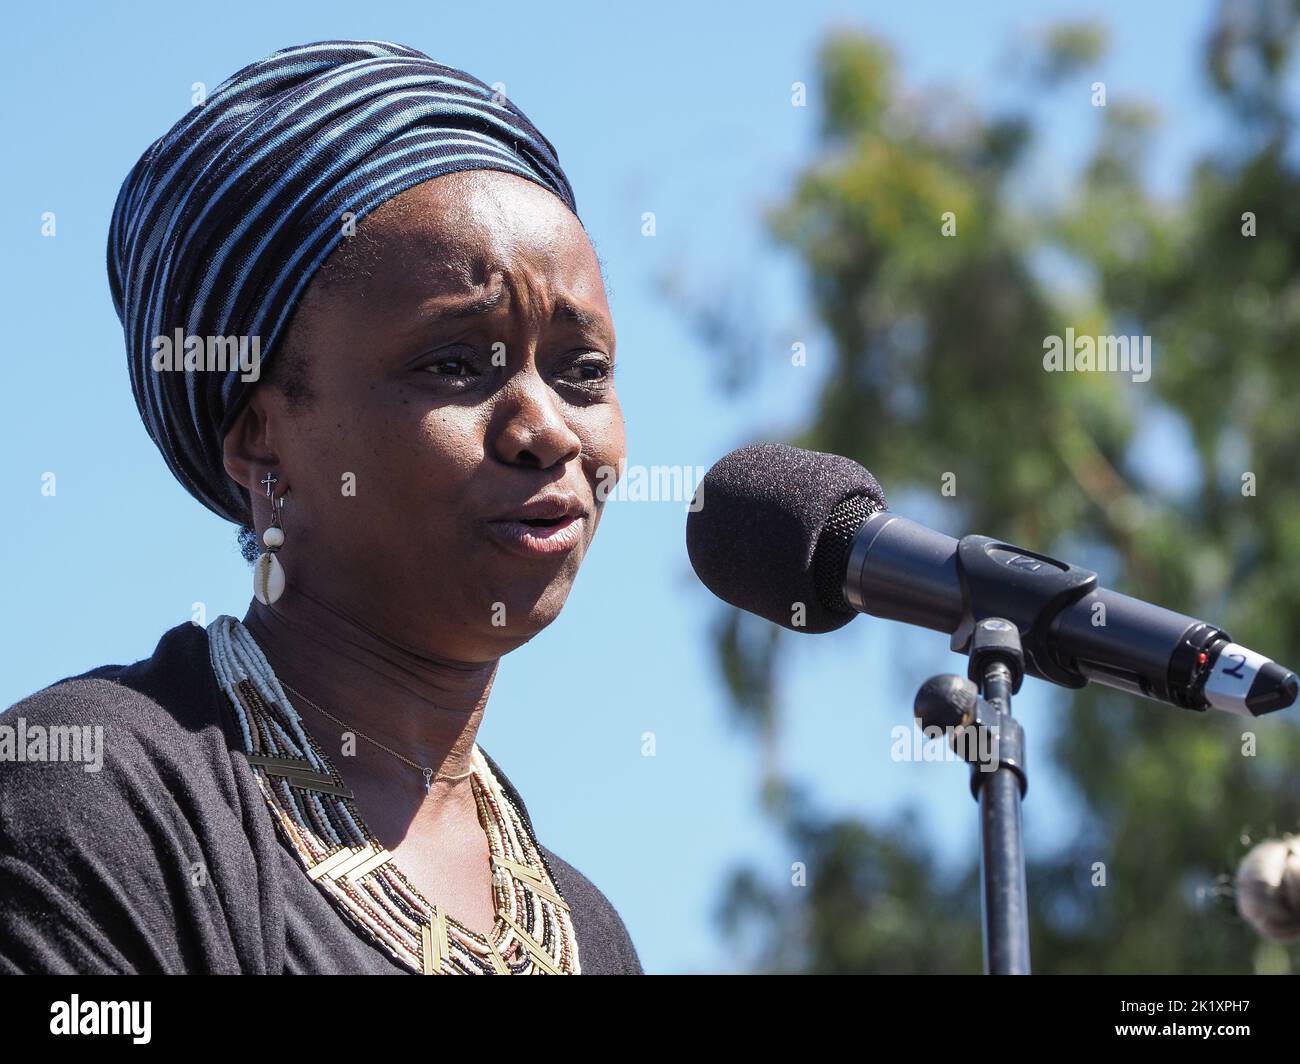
(317, 817)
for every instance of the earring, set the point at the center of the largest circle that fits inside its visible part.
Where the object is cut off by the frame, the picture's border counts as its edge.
(268, 573)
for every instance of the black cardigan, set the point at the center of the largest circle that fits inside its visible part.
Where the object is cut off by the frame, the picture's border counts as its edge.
(167, 859)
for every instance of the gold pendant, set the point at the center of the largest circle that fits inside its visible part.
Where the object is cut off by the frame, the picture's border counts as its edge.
(435, 947)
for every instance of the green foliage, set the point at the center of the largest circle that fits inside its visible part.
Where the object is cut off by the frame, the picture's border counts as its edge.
(938, 346)
(860, 910)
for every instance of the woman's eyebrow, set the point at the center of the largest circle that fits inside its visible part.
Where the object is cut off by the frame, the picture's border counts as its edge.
(594, 323)
(468, 308)
(565, 310)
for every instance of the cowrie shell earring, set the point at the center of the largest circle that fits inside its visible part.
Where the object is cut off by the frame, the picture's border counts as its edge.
(268, 573)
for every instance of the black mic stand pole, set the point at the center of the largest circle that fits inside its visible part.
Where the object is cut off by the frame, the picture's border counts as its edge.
(998, 781)
(997, 665)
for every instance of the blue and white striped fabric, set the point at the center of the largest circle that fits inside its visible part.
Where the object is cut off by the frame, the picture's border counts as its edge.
(224, 220)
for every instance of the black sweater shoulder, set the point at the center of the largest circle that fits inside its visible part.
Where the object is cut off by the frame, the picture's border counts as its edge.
(134, 838)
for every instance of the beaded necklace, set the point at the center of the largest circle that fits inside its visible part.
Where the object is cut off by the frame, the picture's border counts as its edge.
(317, 818)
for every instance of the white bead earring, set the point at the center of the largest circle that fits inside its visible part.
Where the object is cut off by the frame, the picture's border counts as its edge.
(268, 573)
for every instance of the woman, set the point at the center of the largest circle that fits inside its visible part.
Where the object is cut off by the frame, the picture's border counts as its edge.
(364, 323)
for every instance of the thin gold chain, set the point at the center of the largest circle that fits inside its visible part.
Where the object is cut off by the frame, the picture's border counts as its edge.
(424, 769)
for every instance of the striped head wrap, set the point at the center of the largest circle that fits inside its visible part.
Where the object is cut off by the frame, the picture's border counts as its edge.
(222, 223)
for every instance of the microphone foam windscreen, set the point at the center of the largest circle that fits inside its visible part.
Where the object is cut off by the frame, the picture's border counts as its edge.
(754, 525)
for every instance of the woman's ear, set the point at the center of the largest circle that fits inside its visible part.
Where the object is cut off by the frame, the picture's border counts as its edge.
(247, 452)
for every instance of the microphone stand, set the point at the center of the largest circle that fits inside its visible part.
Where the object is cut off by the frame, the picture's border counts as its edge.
(998, 781)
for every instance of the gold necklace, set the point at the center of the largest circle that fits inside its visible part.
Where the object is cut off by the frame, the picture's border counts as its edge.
(429, 777)
(317, 819)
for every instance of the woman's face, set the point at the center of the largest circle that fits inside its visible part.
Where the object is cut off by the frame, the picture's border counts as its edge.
(465, 373)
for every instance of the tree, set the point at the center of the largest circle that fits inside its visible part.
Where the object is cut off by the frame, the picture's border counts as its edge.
(924, 267)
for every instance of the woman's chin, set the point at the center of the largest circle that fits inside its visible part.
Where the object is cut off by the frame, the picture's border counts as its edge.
(528, 619)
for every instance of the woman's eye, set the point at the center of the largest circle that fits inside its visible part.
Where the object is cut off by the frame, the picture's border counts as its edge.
(451, 366)
(590, 371)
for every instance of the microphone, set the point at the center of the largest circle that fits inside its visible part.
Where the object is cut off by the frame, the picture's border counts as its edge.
(805, 540)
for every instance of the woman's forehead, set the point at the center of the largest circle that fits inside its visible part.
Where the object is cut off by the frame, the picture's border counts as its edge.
(477, 233)
(474, 210)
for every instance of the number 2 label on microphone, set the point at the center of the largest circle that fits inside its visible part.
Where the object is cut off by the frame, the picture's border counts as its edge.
(1230, 680)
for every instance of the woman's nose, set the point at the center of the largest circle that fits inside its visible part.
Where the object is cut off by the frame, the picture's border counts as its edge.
(534, 431)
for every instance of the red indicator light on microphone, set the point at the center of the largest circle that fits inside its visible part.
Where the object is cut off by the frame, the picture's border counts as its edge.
(1202, 657)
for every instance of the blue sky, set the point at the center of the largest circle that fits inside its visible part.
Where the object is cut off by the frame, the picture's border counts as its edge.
(680, 109)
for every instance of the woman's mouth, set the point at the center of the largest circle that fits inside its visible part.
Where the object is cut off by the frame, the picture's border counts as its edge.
(540, 536)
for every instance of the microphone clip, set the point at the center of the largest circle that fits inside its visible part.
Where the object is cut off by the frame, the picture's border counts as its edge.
(1010, 584)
